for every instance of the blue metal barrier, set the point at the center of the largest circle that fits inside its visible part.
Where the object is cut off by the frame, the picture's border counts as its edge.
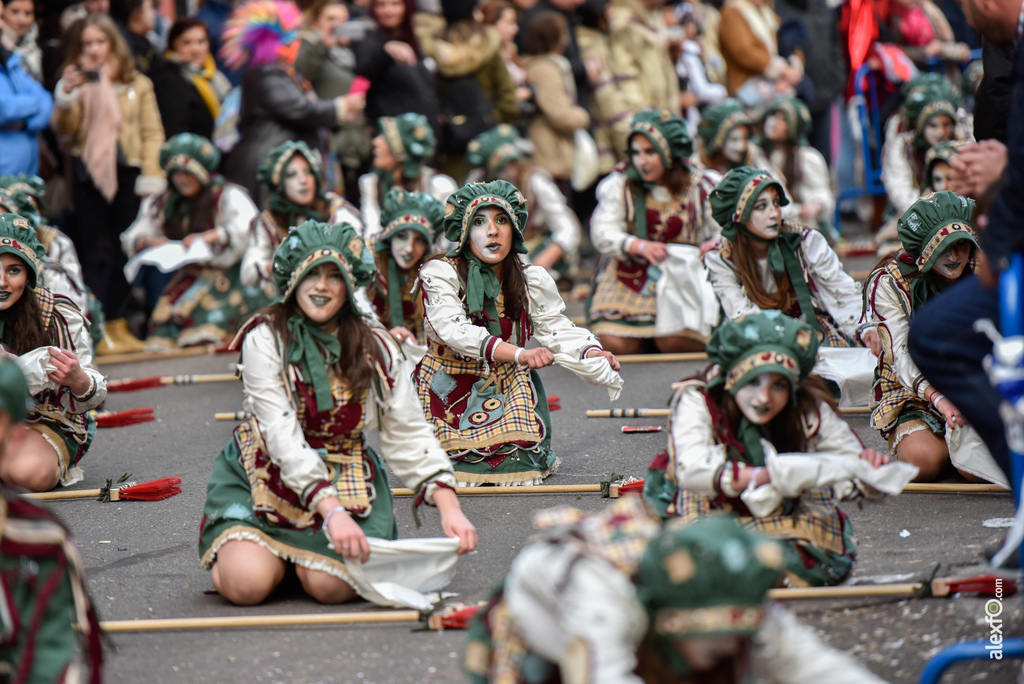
(871, 132)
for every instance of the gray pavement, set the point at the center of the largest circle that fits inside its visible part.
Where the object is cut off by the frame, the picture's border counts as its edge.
(149, 568)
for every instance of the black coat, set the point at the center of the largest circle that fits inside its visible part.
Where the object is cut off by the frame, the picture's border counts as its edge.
(274, 110)
(394, 88)
(182, 108)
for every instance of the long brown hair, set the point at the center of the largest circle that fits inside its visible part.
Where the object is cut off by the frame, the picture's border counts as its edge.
(786, 430)
(359, 347)
(320, 205)
(119, 52)
(676, 178)
(513, 283)
(25, 321)
(791, 168)
(746, 264)
(201, 216)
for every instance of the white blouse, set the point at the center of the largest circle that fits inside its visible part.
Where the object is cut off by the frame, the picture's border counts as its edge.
(407, 441)
(62, 271)
(234, 216)
(832, 288)
(815, 184)
(437, 185)
(888, 308)
(551, 211)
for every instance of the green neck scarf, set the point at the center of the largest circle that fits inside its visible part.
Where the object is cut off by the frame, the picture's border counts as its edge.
(923, 287)
(639, 201)
(395, 284)
(482, 289)
(303, 351)
(296, 213)
(749, 435)
(782, 258)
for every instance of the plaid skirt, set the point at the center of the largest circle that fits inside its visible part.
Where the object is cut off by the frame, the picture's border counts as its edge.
(69, 434)
(615, 309)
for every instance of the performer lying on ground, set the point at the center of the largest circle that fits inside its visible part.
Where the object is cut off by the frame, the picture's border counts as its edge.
(758, 389)
(616, 597)
(478, 385)
(915, 418)
(317, 378)
(49, 338)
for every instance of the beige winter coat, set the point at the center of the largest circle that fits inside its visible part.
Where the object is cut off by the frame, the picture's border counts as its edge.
(558, 117)
(611, 115)
(640, 61)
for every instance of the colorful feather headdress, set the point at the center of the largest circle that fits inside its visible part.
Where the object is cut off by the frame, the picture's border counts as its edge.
(262, 32)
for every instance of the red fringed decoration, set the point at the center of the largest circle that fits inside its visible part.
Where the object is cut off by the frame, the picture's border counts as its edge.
(157, 490)
(554, 403)
(458, 616)
(122, 418)
(636, 486)
(134, 385)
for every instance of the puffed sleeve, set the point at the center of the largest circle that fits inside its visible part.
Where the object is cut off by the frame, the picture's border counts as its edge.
(148, 224)
(556, 214)
(700, 462)
(816, 186)
(36, 363)
(62, 249)
(707, 228)
(787, 651)
(897, 175)
(259, 254)
(444, 313)
(346, 213)
(890, 309)
(235, 214)
(608, 223)
(840, 294)
(407, 441)
(834, 435)
(302, 469)
(441, 186)
(726, 282)
(370, 208)
(551, 328)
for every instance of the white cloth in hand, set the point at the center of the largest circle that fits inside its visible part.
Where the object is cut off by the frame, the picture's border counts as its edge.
(405, 573)
(594, 371)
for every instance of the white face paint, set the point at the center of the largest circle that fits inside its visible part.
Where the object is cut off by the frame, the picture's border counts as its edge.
(763, 398)
(408, 247)
(775, 128)
(490, 235)
(735, 146)
(322, 293)
(940, 170)
(766, 215)
(299, 181)
(937, 129)
(952, 262)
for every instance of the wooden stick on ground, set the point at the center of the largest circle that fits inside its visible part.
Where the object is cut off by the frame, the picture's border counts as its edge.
(844, 592)
(656, 412)
(250, 621)
(662, 358)
(955, 488)
(132, 357)
(237, 415)
(517, 489)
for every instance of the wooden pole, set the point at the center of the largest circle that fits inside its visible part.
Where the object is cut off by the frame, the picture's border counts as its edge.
(656, 413)
(132, 357)
(515, 489)
(196, 379)
(237, 415)
(662, 358)
(844, 592)
(251, 621)
(955, 488)
(63, 494)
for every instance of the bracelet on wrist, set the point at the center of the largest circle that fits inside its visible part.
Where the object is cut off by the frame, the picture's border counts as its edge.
(936, 398)
(519, 352)
(330, 514)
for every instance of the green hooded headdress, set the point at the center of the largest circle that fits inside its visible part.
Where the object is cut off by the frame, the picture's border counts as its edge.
(195, 155)
(796, 114)
(411, 141)
(742, 349)
(717, 121)
(927, 229)
(493, 149)
(945, 151)
(705, 579)
(18, 237)
(272, 175)
(482, 285)
(670, 136)
(33, 186)
(405, 210)
(926, 103)
(306, 246)
(14, 396)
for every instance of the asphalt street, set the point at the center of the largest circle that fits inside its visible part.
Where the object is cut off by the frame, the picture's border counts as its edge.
(142, 562)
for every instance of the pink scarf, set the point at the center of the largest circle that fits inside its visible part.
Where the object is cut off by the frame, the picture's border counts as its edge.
(101, 121)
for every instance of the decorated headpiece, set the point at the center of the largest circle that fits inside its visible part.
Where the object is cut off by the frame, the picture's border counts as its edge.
(942, 152)
(932, 224)
(924, 104)
(717, 121)
(33, 187)
(410, 139)
(18, 237)
(404, 210)
(733, 198)
(463, 204)
(271, 171)
(705, 579)
(796, 114)
(924, 80)
(261, 32)
(768, 341)
(492, 149)
(313, 243)
(8, 203)
(13, 391)
(191, 153)
(667, 132)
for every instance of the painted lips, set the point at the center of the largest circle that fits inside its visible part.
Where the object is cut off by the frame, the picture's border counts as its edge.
(4, 295)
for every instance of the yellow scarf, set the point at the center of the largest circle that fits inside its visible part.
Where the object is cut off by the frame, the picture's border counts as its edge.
(201, 80)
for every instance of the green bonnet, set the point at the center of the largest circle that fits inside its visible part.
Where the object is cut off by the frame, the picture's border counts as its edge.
(33, 187)
(18, 237)
(944, 151)
(271, 171)
(13, 391)
(796, 114)
(493, 149)
(733, 198)
(932, 224)
(666, 131)
(410, 139)
(404, 210)
(191, 153)
(313, 243)
(924, 104)
(463, 204)
(764, 342)
(717, 121)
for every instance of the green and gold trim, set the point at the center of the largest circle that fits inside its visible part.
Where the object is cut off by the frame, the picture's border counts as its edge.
(946, 234)
(758, 360)
(682, 623)
(503, 155)
(751, 190)
(311, 156)
(728, 123)
(651, 132)
(393, 137)
(189, 164)
(325, 254)
(934, 109)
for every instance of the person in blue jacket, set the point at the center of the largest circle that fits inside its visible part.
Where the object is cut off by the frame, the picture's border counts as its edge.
(25, 108)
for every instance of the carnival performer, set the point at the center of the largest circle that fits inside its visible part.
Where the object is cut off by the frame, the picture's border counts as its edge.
(552, 234)
(202, 303)
(412, 221)
(478, 385)
(317, 378)
(616, 597)
(725, 132)
(764, 262)
(293, 175)
(804, 171)
(921, 425)
(51, 632)
(756, 395)
(646, 210)
(48, 337)
(936, 165)
(400, 153)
